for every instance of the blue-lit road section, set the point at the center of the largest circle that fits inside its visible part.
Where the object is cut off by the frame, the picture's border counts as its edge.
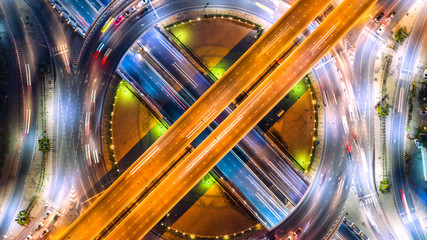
(81, 12)
(267, 207)
(254, 144)
(134, 68)
(270, 211)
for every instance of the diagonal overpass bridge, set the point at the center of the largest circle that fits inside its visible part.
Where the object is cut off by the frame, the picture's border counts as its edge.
(152, 178)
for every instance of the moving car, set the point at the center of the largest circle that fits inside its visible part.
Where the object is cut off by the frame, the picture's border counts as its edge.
(29, 237)
(58, 8)
(347, 222)
(363, 236)
(47, 214)
(130, 11)
(44, 233)
(417, 143)
(298, 232)
(142, 3)
(425, 73)
(73, 24)
(118, 20)
(348, 147)
(39, 227)
(378, 18)
(56, 4)
(143, 11)
(274, 237)
(80, 31)
(390, 16)
(381, 29)
(56, 217)
(355, 229)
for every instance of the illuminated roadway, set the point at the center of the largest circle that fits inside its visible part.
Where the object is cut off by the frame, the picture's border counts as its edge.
(25, 72)
(140, 175)
(367, 47)
(400, 185)
(193, 167)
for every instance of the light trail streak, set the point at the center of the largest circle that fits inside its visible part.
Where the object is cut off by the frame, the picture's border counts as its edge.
(28, 73)
(153, 151)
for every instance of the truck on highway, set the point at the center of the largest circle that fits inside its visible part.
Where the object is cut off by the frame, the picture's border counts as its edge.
(280, 112)
(344, 124)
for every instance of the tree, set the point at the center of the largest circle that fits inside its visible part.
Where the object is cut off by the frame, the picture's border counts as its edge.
(383, 109)
(22, 218)
(401, 35)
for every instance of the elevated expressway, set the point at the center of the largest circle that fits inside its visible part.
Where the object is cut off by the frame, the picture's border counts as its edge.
(194, 166)
(143, 173)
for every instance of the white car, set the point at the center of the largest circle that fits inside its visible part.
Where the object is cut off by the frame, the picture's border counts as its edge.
(130, 11)
(425, 73)
(44, 233)
(29, 237)
(47, 214)
(390, 17)
(142, 3)
(381, 29)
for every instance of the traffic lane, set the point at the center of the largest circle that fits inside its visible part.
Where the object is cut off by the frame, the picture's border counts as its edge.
(364, 58)
(145, 77)
(363, 173)
(175, 63)
(274, 166)
(364, 183)
(10, 10)
(57, 44)
(207, 154)
(415, 40)
(364, 62)
(270, 211)
(58, 47)
(323, 188)
(406, 209)
(205, 106)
